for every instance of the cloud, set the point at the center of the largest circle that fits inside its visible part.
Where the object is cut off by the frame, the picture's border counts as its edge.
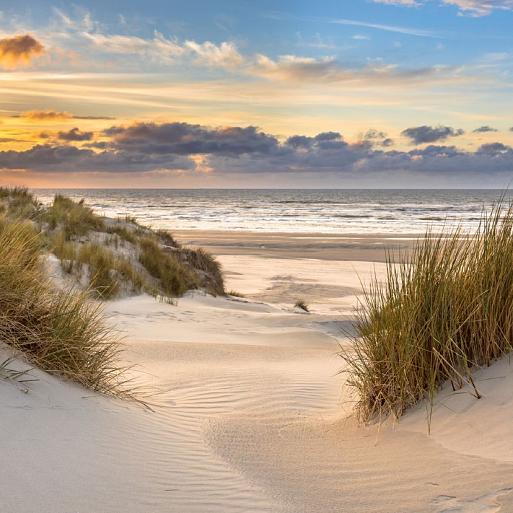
(189, 148)
(51, 115)
(10, 139)
(86, 39)
(377, 138)
(329, 69)
(429, 134)
(481, 7)
(75, 134)
(158, 48)
(189, 139)
(18, 51)
(224, 55)
(55, 158)
(484, 129)
(472, 7)
(494, 149)
(409, 31)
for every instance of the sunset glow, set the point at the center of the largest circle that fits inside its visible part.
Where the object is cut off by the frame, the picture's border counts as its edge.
(360, 93)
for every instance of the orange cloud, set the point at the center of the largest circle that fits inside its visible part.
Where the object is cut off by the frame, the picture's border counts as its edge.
(53, 115)
(18, 51)
(45, 115)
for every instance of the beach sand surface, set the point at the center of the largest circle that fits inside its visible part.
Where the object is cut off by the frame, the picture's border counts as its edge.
(249, 410)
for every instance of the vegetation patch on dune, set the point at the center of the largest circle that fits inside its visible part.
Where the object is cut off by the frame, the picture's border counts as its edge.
(442, 311)
(113, 257)
(60, 329)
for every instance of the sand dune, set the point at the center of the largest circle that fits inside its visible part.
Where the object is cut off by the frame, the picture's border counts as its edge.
(251, 415)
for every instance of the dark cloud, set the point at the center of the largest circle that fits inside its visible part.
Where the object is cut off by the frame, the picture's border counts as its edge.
(146, 147)
(484, 129)
(49, 158)
(19, 50)
(75, 134)
(377, 138)
(324, 140)
(494, 149)
(187, 139)
(429, 134)
(99, 145)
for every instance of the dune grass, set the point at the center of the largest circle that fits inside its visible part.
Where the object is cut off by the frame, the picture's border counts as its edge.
(235, 293)
(106, 270)
(302, 305)
(204, 262)
(101, 264)
(442, 311)
(113, 256)
(74, 218)
(174, 277)
(18, 203)
(59, 331)
(123, 233)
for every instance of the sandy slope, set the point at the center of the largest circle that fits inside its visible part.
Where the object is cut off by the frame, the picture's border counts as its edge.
(251, 416)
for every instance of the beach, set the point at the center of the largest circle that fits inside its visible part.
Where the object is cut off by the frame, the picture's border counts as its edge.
(248, 409)
(256, 257)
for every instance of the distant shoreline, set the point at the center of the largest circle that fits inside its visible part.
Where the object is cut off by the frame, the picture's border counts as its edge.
(357, 247)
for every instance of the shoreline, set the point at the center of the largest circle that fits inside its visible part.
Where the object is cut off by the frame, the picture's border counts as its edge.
(286, 245)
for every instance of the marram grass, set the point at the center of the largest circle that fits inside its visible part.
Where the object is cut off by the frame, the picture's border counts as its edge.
(62, 332)
(442, 310)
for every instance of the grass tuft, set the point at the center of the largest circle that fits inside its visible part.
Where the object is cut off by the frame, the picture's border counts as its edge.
(174, 277)
(73, 218)
(211, 269)
(301, 304)
(235, 293)
(59, 331)
(101, 264)
(442, 311)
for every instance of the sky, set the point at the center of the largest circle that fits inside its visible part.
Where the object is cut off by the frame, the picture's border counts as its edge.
(256, 94)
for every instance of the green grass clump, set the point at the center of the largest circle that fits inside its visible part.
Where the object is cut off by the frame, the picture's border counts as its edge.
(59, 331)
(115, 255)
(443, 310)
(64, 250)
(175, 278)
(106, 270)
(123, 233)
(18, 203)
(75, 219)
(101, 264)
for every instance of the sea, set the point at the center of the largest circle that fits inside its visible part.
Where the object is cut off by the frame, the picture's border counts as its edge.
(335, 211)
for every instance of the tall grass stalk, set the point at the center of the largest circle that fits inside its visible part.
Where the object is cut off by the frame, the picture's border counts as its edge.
(442, 310)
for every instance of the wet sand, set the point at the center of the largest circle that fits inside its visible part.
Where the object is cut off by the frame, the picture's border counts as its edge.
(367, 248)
